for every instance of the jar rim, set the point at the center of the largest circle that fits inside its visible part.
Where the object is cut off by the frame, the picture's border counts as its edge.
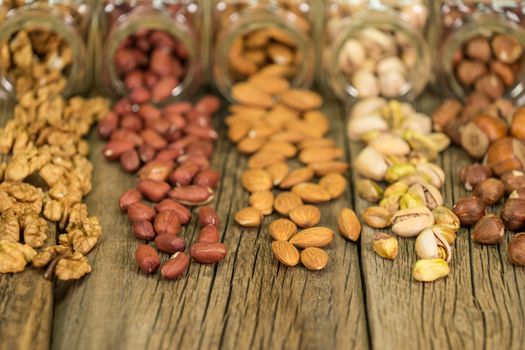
(43, 18)
(418, 77)
(492, 23)
(256, 18)
(138, 20)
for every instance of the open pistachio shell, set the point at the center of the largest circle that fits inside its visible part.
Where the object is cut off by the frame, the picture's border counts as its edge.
(371, 164)
(431, 244)
(435, 174)
(411, 222)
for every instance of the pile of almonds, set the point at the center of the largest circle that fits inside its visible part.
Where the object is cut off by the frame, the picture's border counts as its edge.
(492, 131)
(170, 147)
(400, 148)
(273, 123)
(45, 138)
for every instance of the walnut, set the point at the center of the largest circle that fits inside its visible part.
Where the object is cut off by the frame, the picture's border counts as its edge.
(52, 210)
(51, 173)
(73, 267)
(9, 227)
(34, 229)
(14, 256)
(44, 257)
(85, 237)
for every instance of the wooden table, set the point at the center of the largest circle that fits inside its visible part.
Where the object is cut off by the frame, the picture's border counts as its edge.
(249, 301)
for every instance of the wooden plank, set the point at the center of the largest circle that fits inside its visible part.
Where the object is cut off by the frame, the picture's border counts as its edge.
(26, 298)
(404, 313)
(248, 300)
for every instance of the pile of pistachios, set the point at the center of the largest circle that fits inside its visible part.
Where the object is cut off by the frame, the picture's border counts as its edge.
(397, 173)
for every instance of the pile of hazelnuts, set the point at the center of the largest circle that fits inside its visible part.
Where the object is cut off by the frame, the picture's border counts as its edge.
(498, 143)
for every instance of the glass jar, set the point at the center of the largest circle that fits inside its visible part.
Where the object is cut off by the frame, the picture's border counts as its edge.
(40, 39)
(481, 48)
(376, 48)
(262, 37)
(152, 46)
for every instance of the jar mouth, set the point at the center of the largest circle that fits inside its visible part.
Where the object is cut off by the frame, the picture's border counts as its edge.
(283, 21)
(455, 41)
(42, 19)
(141, 22)
(417, 76)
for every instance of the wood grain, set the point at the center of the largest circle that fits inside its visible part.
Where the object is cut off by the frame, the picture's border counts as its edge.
(249, 300)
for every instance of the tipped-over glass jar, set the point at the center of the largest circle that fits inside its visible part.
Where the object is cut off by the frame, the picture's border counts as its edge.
(481, 48)
(268, 37)
(151, 49)
(376, 48)
(45, 43)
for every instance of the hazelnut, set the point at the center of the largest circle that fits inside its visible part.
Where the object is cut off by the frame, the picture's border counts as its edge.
(453, 129)
(473, 174)
(514, 180)
(474, 140)
(506, 48)
(520, 194)
(479, 49)
(447, 112)
(488, 230)
(490, 190)
(516, 249)
(491, 85)
(517, 127)
(493, 127)
(470, 71)
(469, 210)
(504, 71)
(513, 214)
(506, 154)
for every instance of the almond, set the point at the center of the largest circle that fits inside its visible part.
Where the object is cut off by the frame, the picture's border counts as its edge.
(301, 100)
(282, 147)
(305, 216)
(349, 224)
(329, 167)
(306, 129)
(251, 145)
(286, 202)
(238, 130)
(318, 121)
(278, 172)
(335, 184)
(286, 253)
(297, 176)
(314, 259)
(249, 217)
(247, 111)
(313, 237)
(289, 136)
(262, 159)
(311, 193)
(255, 180)
(282, 229)
(320, 154)
(262, 200)
(262, 130)
(270, 84)
(248, 94)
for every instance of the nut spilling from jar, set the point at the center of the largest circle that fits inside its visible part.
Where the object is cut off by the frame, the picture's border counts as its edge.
(170, 149)
(273, 124)
(45, 137)
(400, 149)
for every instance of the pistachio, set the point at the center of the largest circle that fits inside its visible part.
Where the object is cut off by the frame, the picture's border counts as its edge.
(419, 123)
(389, 143)
(421, 143)
(445, 217)
(432, 245)
(358, 126)
(391, 203)
(410, 222)
(446, 232)
(435, 174)
(399, 188)
(371, 164)
(398, 171)
(369, 190)
(430, 196)
(516, 249)
(385, 245)
(441, 140)
(469, 210)
(488, 230)
(429, 270)
(376, 217)
(410, 200)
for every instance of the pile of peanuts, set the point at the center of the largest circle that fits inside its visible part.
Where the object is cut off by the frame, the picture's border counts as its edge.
(169, 146)
(151, 63)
